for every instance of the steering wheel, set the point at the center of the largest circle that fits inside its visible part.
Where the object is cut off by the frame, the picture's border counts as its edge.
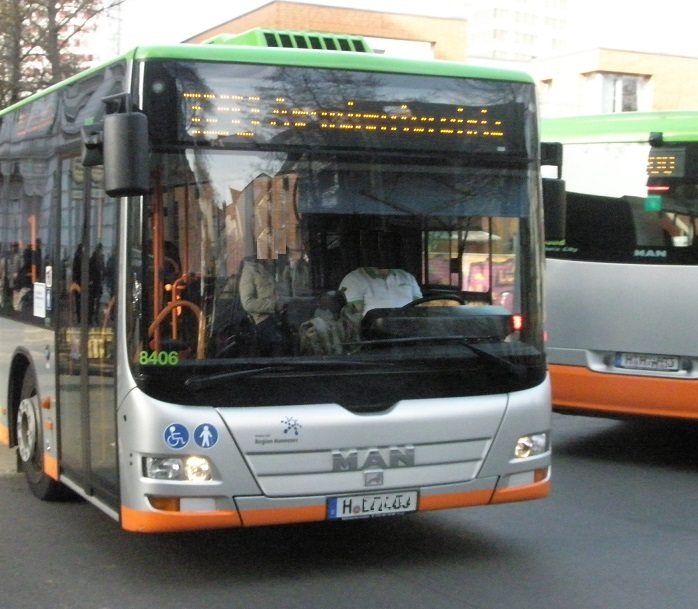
(455, 298)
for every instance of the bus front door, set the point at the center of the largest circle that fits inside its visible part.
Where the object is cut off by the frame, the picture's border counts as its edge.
(86, 375)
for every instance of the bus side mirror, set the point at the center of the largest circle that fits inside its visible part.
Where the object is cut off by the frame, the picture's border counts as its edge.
(125, 152)
(554, 209)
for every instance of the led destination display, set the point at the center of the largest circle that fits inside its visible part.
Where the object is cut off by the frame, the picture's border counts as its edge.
(249, 106)
(666, 163)
(240, 117)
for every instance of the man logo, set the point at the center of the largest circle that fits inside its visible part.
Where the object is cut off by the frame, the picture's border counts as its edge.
(372, 458)
(650, 254)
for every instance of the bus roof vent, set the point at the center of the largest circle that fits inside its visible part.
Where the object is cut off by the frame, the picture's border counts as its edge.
(259, 37)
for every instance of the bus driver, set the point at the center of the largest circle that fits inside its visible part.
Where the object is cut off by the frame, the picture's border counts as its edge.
(371, 287)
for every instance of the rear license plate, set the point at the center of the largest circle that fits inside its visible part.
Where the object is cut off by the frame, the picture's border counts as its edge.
(376, 504)
(642, 361)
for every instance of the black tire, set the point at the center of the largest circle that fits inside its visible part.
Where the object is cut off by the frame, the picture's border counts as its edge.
(30, 444)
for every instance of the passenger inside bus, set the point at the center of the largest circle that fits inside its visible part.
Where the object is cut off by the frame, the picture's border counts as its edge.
(261, 301)
(293, 274)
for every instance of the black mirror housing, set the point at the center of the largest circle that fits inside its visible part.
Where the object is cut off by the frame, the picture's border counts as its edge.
(554, 209)
(126, 154)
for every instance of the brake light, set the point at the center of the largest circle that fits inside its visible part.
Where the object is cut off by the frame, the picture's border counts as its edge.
(517, 321)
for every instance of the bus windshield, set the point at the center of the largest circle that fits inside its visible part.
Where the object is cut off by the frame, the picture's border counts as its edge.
(259, 251)
(282, 231)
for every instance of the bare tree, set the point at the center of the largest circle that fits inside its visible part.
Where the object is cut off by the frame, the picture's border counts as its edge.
(38, 42)
(14, 48)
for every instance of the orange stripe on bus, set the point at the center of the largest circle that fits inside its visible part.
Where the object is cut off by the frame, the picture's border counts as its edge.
(161, 522)
(285, 515)
(51, 466)
(580, 388)
(4, 435)
(527, 492)
(168, 522)
(454, 500)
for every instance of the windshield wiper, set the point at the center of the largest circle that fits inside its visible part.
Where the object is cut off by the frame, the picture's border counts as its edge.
(442, 338)
(196, 383)
(202, 382)
(515, 369)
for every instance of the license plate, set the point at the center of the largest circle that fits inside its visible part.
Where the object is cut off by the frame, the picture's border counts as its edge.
(642, 361)
(376, 504)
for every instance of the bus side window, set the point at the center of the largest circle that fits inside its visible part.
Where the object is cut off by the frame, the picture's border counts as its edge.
(601, 227)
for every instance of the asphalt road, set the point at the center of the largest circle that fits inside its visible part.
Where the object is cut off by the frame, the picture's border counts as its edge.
(7, 460)
(618, 531)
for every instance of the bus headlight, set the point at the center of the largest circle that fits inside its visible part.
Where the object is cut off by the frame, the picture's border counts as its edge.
(197, 469)
(531, 445)
(192, 468)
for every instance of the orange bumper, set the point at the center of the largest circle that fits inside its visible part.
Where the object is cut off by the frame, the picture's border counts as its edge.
(581, 389)
(164, 521)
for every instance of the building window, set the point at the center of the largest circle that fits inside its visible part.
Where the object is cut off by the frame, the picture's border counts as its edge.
(525, 18)
(623, 92)
(523, 38)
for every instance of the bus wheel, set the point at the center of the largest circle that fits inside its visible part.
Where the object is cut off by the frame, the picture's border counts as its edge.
(30, 443)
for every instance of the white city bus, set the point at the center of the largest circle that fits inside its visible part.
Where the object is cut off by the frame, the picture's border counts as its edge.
(135, 371)
(621, 287)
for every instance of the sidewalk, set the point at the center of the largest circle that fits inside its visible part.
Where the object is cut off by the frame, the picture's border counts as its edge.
(8, 460)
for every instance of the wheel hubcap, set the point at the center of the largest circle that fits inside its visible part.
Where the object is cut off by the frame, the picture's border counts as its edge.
(26, 430)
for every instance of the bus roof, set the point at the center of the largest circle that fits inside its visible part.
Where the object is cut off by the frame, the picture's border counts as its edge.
(678, 126)
(218, 51)
(326, 59)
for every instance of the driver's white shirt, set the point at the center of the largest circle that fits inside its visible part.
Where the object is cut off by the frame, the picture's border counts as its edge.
(368, 285)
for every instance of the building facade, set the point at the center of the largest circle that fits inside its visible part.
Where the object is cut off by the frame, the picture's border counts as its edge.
(518, 30)
(392, 33)
(608, 80)
(533, 37)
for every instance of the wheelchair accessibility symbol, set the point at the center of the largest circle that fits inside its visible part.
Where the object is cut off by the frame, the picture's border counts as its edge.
(176, 436)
